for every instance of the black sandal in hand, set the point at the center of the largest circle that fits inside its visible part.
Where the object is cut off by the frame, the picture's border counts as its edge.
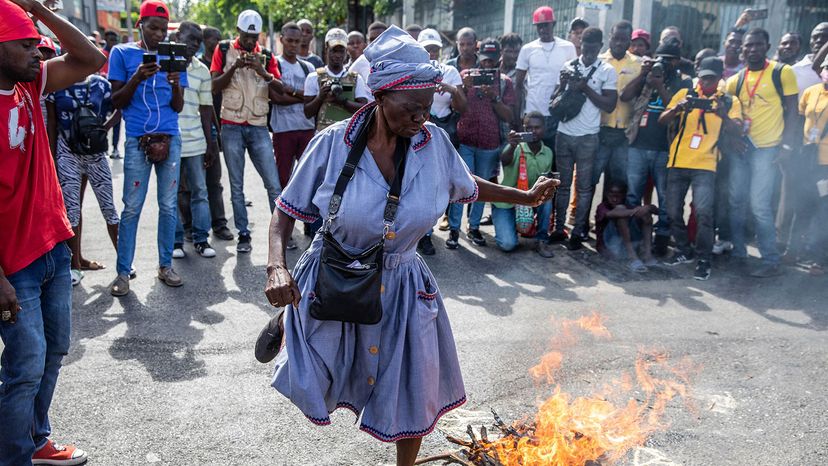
(270, 339)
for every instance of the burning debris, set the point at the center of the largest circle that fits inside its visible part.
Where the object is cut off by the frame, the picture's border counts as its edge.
(568, 431)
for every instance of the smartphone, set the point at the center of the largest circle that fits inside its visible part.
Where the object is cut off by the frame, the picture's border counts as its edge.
(149, 58)
(754, 14)
(526, 137)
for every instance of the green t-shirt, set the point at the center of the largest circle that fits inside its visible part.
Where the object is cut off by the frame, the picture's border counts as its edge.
(536, 165)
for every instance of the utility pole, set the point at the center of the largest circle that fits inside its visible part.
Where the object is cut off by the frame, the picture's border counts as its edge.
(128, 5)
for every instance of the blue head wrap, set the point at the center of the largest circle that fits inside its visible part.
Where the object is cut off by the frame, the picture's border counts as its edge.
(398, 62)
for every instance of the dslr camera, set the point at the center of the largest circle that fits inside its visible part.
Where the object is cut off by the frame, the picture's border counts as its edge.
(696, 102)
(483, 76)
(572, 75)
(336, 87)
(177, 61)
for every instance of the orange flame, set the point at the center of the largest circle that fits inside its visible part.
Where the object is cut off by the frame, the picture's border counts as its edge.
(602, 427)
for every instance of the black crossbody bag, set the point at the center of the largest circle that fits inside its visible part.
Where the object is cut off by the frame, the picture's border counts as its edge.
(348, 286)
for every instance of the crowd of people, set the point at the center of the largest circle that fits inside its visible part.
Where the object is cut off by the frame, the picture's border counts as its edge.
(745, 134)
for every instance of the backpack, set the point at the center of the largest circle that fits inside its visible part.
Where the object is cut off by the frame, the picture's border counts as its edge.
(776, 77)
(86, 135)
(567, 105)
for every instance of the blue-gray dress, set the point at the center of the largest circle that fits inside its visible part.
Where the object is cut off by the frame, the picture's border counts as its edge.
(402, 374)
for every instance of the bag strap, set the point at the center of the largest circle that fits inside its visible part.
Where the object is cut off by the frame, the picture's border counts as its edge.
(347, 173)
(740, 82)
(776, 77)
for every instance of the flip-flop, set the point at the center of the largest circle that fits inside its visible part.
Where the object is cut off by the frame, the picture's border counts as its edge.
(93, 265)
(270, 339)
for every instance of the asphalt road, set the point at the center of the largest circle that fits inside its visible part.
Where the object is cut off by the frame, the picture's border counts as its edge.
(167, 376)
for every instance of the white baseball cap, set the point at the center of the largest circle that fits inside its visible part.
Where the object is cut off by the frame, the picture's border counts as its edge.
(336, 37)
(250, 22)
(430, 37)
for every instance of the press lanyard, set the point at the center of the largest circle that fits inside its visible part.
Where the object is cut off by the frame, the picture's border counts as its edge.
(752, 93)
(814, 135)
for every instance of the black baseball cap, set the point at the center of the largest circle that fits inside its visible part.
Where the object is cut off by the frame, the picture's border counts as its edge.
(489, 48)
(670, 49)
(711, 66)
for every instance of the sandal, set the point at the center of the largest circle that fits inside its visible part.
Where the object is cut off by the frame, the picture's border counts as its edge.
(270, 339)
(637, 266)
(93, 265)
(77, 276)
(816, 270)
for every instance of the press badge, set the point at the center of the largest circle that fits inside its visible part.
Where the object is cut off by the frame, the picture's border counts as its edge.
(695, 141)
(644, 118)
(813, 135)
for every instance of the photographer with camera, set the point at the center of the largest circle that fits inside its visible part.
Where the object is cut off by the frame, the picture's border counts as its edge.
(525, 159)
(647, 157)
(247, 76)
(489, 97)
(587, 88)
(333, 93)
(703, 113)
(150, 98)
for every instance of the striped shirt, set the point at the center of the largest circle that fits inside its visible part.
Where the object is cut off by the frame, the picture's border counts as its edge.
(198, 92)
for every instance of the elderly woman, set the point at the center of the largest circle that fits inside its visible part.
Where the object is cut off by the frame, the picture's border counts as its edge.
(402, 373)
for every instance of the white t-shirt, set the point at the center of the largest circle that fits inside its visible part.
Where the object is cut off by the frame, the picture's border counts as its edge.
(543, 62)
(312, 85)
(361, 66)
(441, 106)
(589, 120)
(805, 74)
(286, 118)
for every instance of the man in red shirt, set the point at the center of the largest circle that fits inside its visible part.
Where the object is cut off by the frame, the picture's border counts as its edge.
(248, 78)
(35, 286)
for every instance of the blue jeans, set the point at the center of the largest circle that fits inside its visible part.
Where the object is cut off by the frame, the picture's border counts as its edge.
(506, 235)
(481, 162)
(703, 182)
(642, 164)
(572, 152)
(753, 177)
(34, 348)
(136, 182)
(195, 175)
(235, 139)
(613, 162)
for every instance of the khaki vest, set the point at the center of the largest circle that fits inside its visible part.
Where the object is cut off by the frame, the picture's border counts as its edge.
(246, 98)
(330, 113)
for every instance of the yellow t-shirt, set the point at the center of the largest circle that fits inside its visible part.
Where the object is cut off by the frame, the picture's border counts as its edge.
(695, 149)
(814, 107)
(764, 109)
(627, 69)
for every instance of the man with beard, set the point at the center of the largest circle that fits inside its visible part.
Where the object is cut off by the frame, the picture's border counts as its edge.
(789, 48)
(768, 93)
(248, 77)
(35, 284)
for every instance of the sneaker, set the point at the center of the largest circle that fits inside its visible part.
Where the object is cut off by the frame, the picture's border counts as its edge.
(77, 276)
(244, 243)
(205, 250)
(766, 271)
(120, 287)
(660, 245)
(116, 154)
(223, 233)
(178, 251)
(169, 277)
(291, 245)
(558, 237)
(702, 270)
(52, 453)
(188, 236)
(133, 273)
(476, 237)
(444, 224)
(679, 259)
(574, 243)
(453, 240)
(544, 249)
(425, 246)
(486, 220)
(722, 247)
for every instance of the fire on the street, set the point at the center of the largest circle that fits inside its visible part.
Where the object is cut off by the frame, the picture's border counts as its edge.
(581, 430)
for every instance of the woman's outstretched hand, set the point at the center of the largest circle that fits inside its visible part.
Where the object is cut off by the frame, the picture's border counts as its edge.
(281, 290)
(542, 191)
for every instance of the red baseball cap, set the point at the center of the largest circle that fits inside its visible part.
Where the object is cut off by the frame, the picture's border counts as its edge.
(47, 43)
(641, 34)
(155, 8)
(16, 24)
(544, 14)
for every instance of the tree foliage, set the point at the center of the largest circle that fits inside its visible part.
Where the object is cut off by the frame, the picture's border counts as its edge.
(323, 13)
